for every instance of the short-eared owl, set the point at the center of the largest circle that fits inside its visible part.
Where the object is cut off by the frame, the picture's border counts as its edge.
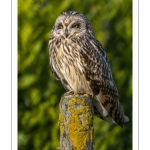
(80, 62)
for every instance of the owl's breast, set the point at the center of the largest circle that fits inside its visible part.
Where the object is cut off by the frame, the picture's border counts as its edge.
(69, 68)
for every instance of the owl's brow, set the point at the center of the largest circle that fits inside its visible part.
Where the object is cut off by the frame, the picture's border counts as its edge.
(67, 21)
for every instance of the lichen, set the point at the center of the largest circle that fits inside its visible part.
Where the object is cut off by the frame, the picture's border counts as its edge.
(61, 121)
(92, 134)
(77, 127)
(86, 95)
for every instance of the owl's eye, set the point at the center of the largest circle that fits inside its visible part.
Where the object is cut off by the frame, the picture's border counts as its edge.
(75, 26)
(60, 26)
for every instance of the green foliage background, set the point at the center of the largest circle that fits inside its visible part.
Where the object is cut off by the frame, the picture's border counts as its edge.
(39, 93)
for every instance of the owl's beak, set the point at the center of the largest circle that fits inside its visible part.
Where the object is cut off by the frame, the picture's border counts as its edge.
(66, 32)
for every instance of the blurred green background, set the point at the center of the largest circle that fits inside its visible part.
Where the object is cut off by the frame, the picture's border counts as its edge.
(39, 93)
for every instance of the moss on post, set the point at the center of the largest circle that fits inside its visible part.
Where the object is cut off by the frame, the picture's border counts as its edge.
(76, 123)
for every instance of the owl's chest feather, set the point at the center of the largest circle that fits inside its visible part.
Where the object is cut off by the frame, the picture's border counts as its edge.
(69, 67)
(68, 59)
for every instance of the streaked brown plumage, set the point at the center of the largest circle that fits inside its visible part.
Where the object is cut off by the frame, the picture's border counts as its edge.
(80, 62)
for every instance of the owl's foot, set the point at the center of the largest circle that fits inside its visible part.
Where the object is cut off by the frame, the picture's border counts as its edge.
(74, 93)
(68, 93)
(81, 93)
(85, 93)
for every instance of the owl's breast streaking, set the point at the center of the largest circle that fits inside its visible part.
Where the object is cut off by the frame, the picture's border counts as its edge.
(67, 64)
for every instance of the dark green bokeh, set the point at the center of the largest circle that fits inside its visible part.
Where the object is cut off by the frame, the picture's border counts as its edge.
(39, 93)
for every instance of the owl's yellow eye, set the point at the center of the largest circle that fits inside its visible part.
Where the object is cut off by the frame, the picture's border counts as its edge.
(76, 26)
(60, 26)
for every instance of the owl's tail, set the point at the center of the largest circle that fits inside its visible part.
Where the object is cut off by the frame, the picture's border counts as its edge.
(110, 110)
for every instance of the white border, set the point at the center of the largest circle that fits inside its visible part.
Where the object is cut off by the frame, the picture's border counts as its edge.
(135, 75)
(144, 75)
(5, 75)
(14, 75)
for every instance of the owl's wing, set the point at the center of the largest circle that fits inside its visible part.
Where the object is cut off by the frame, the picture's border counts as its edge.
(98, 74)
(96, 67)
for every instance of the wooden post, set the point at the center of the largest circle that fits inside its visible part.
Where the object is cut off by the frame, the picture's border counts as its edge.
(76, 123)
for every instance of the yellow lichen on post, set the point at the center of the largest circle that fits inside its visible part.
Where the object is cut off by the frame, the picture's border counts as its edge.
(92, 134)
(78, 130)
(61, 120)
(76, 125)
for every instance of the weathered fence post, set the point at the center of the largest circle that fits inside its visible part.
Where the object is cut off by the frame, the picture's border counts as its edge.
(76, 123)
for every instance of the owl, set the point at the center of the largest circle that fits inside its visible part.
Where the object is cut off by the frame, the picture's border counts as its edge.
(80, 62)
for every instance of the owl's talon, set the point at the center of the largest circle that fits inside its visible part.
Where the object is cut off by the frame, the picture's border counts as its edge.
(81, 93)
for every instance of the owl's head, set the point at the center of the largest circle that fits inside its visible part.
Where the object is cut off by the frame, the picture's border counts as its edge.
(71, 24)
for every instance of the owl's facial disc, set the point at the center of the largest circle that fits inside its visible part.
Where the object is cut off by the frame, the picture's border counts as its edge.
(69, 28)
